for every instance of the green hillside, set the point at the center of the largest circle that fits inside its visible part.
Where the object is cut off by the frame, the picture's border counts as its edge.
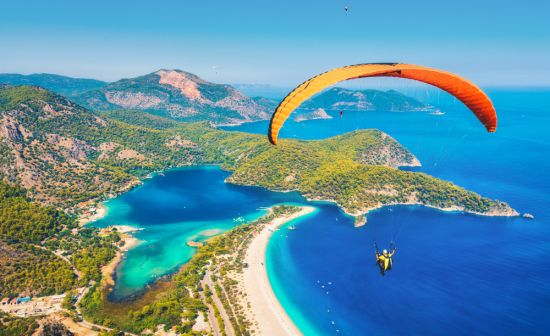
(31, 234)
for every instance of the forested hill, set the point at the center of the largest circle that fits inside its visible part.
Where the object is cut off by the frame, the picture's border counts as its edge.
(41, 253)
(64, 155)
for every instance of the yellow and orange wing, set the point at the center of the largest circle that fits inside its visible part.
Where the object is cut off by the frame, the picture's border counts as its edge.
(465, 91)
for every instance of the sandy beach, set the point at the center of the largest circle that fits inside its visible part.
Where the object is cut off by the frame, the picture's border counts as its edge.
(125, 228)
(268, 312)
(109, 270)
(99, 212)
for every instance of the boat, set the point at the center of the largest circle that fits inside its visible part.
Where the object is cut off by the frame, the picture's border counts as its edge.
(437, 112)
(292, 227)
(528, 216)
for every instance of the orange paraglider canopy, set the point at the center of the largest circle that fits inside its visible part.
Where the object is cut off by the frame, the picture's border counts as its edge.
(465, 91)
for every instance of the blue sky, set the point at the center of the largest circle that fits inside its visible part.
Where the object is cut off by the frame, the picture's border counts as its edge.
(277, 42)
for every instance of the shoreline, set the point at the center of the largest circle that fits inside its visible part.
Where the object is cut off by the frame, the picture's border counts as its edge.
(108, 271)
(269, 314)
(261, 306)
(454, 209)
(99, 208)
(100, 212)
(364, 212)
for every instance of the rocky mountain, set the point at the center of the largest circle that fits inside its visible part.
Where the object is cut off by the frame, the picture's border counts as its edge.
(63, 85)
(364, 100)
(183, 96)
(176, 94)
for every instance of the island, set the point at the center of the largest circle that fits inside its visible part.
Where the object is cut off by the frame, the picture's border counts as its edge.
(319, 113)
(338, 98)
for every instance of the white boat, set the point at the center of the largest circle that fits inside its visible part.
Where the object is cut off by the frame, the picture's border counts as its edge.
(437, 112)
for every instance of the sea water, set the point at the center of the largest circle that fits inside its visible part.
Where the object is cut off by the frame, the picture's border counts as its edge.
(454, 274)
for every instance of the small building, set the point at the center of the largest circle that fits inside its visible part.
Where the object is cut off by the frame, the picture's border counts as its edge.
(24, 299)
(5, 301)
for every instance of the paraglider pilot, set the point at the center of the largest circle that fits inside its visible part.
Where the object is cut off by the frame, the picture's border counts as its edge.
(384, 259)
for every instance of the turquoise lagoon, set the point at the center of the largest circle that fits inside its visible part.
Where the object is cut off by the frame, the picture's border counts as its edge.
(173, 208)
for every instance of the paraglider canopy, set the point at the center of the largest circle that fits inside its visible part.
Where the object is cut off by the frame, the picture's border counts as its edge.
(465, 91)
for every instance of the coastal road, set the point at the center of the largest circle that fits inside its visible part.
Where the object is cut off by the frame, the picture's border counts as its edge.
(226, 320)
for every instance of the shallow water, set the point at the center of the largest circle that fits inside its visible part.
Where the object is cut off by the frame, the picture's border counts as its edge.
(174, 208)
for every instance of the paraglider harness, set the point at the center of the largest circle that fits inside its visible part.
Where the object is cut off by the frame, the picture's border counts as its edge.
(380, 261)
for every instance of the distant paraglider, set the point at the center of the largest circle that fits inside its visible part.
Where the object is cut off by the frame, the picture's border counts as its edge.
(465, 91)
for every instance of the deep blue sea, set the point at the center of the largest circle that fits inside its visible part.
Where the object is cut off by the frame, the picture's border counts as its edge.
(454, 274)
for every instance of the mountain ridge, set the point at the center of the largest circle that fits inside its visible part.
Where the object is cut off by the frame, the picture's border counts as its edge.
(176, 94)
(184, 96)
(63, 85)
(338, 98)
